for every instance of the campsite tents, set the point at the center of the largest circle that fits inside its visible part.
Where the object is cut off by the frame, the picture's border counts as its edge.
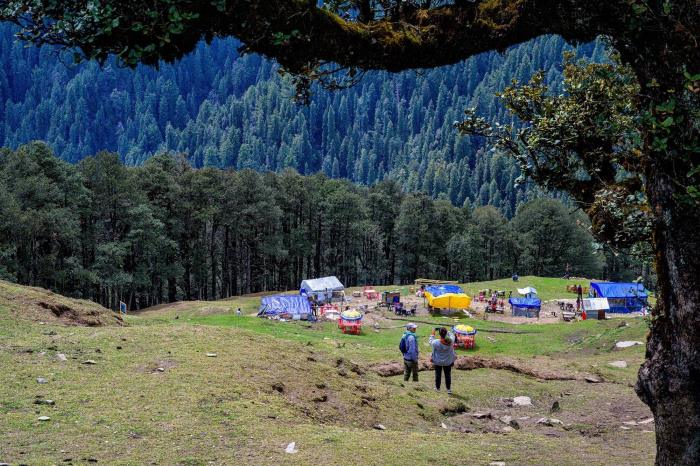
(293, 305)
(528, 291)
(596, 307)
(326, 289)
(447, 297)
(525, 307)
(622, 297)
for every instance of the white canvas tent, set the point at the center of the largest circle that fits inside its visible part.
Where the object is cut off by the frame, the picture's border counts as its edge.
(527, 291)
(596, 307)
(596, 304)
(323, 289)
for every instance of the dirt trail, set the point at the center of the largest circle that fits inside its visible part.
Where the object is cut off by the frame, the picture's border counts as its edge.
(467, 363)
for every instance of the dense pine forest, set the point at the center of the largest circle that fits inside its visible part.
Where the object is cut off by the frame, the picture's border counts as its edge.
(165, 231)
(224, 110)
(127, 224)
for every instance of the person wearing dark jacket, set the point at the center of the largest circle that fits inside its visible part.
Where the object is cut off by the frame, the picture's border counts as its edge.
(443, 357)
(410, 357)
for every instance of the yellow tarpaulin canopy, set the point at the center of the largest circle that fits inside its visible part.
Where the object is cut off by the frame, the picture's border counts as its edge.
(449, 301)
(464, 329)
(351, 314)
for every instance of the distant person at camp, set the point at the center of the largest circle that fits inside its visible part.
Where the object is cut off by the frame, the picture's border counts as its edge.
(443, 357)
(238, 311)
(409, 348)
(579, 291)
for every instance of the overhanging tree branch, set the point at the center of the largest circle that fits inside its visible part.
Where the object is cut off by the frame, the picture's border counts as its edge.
(300, 34)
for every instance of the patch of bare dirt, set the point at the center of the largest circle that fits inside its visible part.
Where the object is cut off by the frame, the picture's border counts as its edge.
(156, 366)
(259, 294)
(176, 306)
(549, 314)
(571, 413)
(468, 363)
(71, 316)
(210, 310)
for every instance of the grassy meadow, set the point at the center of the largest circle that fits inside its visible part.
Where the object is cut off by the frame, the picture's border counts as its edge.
(154, 396)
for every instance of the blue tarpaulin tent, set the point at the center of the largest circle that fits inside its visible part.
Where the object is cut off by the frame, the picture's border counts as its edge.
(447, 297)
(622, 297)
(525, 307)
(437, 290)
(284, 304)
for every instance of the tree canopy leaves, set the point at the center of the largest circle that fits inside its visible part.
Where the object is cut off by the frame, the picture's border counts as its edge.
(166, 231)
(586, 141)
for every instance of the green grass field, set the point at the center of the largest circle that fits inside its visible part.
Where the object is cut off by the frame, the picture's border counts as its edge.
(272, 383)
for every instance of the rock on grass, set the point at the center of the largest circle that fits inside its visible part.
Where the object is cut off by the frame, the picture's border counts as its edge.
(627, 344)
(40, 401)
(522, 401)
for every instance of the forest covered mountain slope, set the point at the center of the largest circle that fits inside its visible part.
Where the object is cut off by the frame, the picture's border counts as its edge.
(224, 110)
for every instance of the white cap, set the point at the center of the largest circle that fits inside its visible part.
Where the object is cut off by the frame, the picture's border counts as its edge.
(411, 325)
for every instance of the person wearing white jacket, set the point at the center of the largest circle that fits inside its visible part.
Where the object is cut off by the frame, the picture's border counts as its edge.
(443, 357)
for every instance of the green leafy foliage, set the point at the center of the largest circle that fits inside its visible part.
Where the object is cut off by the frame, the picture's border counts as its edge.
(586, 141)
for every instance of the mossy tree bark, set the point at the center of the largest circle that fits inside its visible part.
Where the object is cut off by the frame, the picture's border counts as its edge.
(669, 379)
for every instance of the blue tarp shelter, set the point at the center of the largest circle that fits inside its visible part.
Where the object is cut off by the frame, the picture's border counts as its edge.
(284, 304)
(438, 290)
(622, 297)
(525, 307)
(447, 297)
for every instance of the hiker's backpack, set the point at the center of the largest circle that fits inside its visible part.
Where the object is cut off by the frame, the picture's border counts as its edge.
(403, 344)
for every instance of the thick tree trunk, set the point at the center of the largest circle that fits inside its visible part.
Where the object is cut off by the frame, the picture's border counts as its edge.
(236, 265)
(669, 379)
(188, 282)
(212, 260)
(225, 278)
(317, 256)
(172, 288)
